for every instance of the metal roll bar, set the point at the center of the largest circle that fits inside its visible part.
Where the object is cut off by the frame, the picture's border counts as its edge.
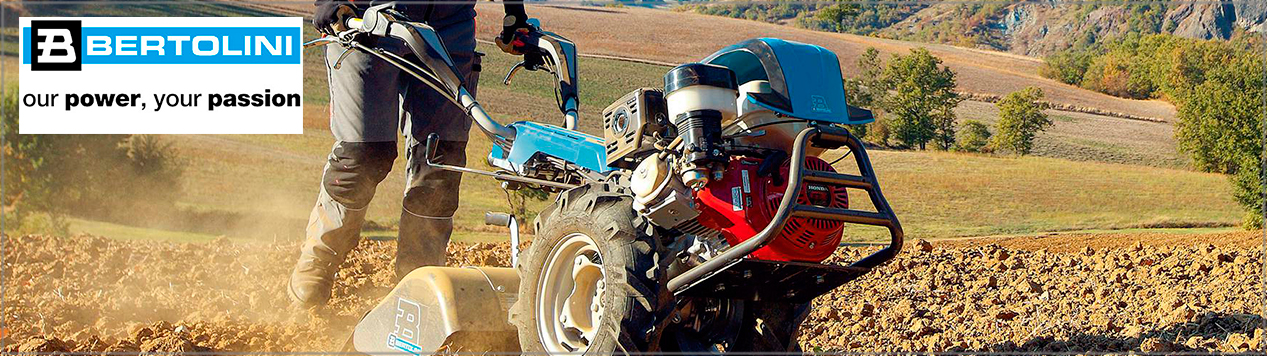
(788, 208)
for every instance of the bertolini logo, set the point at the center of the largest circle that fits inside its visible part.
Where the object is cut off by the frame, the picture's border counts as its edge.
(56, 45)
(161, 75)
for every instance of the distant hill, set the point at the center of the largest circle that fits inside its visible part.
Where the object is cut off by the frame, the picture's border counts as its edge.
(679, 37)
(1031, 28)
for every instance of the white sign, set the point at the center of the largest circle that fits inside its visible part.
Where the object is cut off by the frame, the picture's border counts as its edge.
(161, 75)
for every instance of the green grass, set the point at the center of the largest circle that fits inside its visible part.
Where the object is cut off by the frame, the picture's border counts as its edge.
(124, 232)
(941, 194)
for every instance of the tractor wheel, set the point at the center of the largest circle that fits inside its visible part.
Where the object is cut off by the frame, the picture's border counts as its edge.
(770, 327)
(592, 281)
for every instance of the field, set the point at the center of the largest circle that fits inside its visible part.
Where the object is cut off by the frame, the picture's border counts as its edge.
(1107, 173)
(1141, 185)
(1103, 240)
(1059, 293)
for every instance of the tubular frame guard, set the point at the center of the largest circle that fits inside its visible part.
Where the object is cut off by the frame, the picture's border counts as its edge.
(826, 136)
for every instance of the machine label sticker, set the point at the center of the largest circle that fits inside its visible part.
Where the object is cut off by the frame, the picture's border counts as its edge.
(736, 199)
(160, 75)
(746, 187)
(408, 327)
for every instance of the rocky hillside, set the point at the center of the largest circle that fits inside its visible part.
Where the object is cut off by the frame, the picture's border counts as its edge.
(1030, 28)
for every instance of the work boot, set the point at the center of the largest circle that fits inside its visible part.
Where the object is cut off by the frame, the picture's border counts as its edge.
(423, 241)
(311, 281)
(333, 230)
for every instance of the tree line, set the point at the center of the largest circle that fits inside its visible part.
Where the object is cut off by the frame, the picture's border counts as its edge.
(914, 98)
(1217, 88)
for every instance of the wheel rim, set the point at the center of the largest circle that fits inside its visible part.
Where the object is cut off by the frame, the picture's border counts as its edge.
(569, 295)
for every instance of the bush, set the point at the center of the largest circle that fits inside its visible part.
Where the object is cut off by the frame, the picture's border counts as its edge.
(111, 177)
(1021, 118)
(1067, 66)
(39, 223)
(878, 132)
(974, 136)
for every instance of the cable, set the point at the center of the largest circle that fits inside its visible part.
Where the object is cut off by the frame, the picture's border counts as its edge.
(833, 163)
(748, 130)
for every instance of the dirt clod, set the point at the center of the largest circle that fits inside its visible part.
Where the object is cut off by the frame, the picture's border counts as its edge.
(40, 344)
(925, 246)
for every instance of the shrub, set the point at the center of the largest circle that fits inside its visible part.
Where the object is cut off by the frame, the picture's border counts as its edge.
(973, 136)
(100, 176)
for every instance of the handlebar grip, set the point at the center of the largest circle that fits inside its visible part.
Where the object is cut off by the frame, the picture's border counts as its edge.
(496, 219)
(431, 147)
(354, 23)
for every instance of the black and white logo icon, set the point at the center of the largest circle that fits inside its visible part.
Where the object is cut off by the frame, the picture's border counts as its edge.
(55, 45)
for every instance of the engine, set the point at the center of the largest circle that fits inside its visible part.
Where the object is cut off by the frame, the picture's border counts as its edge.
(711, 164)
(744, 201)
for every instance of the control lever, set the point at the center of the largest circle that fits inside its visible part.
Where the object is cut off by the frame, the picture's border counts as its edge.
(339, 62)
(511, 73)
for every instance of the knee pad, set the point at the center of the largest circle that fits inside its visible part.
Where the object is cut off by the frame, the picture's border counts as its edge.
(354, 170)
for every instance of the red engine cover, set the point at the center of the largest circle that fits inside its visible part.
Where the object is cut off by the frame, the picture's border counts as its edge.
(741, 204)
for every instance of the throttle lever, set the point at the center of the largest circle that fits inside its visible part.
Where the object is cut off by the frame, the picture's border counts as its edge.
(511, 73)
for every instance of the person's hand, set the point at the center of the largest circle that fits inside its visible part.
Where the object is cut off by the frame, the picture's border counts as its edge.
(514, 30)
(330, 16)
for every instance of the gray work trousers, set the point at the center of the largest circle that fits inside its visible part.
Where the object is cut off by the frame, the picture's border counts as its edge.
(370, 101)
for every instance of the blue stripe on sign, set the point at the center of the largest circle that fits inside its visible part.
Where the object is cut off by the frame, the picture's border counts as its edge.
(188, 45)
(26, 36)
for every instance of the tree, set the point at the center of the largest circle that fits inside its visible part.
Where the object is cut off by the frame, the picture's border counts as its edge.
(944, 128)
(865, 90)
(1021, 118)
(973, 136)
(837, 14)
(1220, 125)
(519, 198)
(922, 99)
(1067, 66)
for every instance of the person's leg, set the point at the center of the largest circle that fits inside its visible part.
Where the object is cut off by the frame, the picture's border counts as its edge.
(363, 99)
(431, 196)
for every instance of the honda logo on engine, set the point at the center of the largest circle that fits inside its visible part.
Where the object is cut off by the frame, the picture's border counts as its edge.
(56, 45)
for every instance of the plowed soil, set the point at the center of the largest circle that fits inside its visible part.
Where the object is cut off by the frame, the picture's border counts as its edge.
(1153, 293)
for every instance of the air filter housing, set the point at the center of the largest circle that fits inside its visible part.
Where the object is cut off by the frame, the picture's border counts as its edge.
(698, 86)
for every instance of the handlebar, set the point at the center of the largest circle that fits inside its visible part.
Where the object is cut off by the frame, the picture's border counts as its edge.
(436, 69)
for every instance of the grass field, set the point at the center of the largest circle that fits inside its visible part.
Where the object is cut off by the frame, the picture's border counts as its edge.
(940, 194)
(1081, 186)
